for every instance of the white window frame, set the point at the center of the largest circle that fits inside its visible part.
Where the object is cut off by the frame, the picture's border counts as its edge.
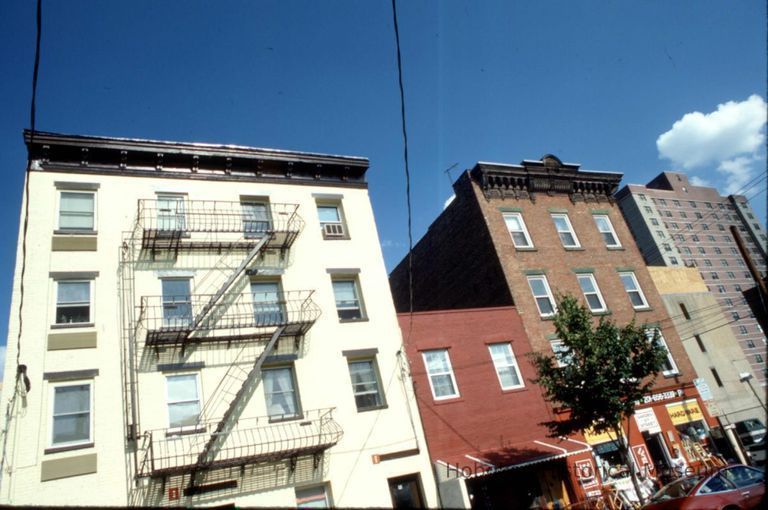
(611, 230)
(376, 380)
(591, 278)
(168, 402)
(524, 230)
(332, 229)
(560, 352)
(53, 386)
(637, 289)
(298, 409)
(548, 295)
(177, 220)
(58, 210)
(674, 370)
(338, 278)
(91, 303)
(570, 230)
(499, 365)
(450, 373)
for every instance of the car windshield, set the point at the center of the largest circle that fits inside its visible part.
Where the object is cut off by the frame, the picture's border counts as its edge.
(677, 489)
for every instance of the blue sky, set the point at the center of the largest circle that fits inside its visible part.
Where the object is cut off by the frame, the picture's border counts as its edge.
(596, 83)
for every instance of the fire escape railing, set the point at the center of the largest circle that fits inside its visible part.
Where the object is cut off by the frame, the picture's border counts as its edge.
(248, 441)
(173, 319)
(187, 224)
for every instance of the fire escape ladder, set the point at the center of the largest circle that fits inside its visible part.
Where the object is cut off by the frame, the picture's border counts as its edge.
(257, 249)
(219, 435)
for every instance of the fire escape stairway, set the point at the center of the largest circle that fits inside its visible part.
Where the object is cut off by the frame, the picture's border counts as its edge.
(219, 435)
(255, 251)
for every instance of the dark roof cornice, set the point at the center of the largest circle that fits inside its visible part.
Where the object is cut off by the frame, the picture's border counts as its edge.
(153, 158)
(548, 175)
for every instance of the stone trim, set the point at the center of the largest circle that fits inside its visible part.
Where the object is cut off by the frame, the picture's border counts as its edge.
(71, 375)
(360, 353)
(76, 186)
(55, 469)
(73, 275)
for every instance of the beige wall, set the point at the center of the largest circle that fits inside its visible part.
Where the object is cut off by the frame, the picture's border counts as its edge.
(322, 374)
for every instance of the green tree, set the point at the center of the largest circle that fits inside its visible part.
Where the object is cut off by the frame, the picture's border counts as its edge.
(607, 370)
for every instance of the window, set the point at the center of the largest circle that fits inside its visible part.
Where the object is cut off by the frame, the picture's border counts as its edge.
(695, 239)
(177, 303)
(440, 373)
(73, 302)
(714, 275)
(676, 202)
(708, 204)
(171, 212)
(77, 211)
(721, 289)
(707, 262)
(669, 367)
(543, 295)
(648, 209)
(183, 400)
(699, 216)
(654, 222)
(642, 197)
(605, 227)
(735, 316)
(667, 247)
(734, 250)
(280, 393)
(674, 225)
(668, 214)
(312, 497)
(750, 343)
(758, 358)
(366, 385)
(565, 231)
(700, 342)
(692, 204)
(717, 250)
(716, 376)
(681, 238)
(730, 274)
(686, 250)
(561, 352)
(660, 234)
(591, 293)
(256, 219)
(743, 330)
(506, 366)
(729, 302)
(662, 201)
(684, 309)
(71, 422)
(683, 215)
(517, 230)
(720, 227)
(737, 288)
(701, 248)
(634, 291)
(348, 305)
(268, 303)
(704, 226)
(721, 206)
(331, 221)
(673, 261)
(689, 226)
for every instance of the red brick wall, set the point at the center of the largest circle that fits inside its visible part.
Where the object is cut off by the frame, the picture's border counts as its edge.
(484, 416)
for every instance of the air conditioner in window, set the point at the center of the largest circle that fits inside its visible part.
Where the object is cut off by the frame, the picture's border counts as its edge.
(333, 229)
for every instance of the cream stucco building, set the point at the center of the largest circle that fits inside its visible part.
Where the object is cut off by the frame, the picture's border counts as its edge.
(204, 325)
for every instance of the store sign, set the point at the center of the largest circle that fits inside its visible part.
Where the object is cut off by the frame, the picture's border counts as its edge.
(660, 397)
(703, 388)
(643, 458)
(685, 412)
(585, 470)
(593, 437)
(646, 421)
(712, 408)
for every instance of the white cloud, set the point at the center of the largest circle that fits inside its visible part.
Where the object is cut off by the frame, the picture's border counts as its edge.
(389, 243)
(726, 142)
(698, 139)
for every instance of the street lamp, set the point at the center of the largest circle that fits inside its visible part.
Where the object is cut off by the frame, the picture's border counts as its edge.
(746, 377)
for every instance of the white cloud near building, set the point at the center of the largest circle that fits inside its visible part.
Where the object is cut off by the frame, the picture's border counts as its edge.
(728, 140)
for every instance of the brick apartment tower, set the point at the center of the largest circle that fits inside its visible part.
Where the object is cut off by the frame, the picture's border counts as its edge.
(522, 234)
(677, 224)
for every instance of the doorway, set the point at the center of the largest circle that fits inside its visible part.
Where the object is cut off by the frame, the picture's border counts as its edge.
(406, 491)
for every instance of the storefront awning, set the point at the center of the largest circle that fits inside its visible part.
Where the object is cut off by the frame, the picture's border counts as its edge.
(516, 456)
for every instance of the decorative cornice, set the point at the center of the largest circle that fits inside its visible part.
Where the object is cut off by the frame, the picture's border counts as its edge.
(549, 175)
(151, 158)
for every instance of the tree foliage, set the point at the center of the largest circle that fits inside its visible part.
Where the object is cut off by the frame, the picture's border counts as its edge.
(608, 369)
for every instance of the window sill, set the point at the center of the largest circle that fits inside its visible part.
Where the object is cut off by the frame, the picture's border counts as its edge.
(514, 390)
(526, 249)
(340, 238)
(74, 325)
(616, 248)
(451, 400)
(671, 375)
(573, 248)
(69, 448)
(361, 319)
(547, 317)
(284, 419)
(75, 232)
(184, 432)
(369, 409)
(644, 309)
(599, 314)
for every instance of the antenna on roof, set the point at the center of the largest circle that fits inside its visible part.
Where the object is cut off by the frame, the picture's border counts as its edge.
(447, 172)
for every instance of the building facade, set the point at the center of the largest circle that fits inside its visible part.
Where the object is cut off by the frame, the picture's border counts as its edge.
(205, 324)
(484, 418)
(677, 224)
(713, 351)
(521, 235)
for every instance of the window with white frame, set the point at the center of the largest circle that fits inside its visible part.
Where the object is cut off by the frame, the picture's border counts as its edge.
(347, 293)
(591, 292)
(605, 227)
(312, 497)
(440, 373)
(561, 352)
(280, 393)
(543, 295)
(518, 230)
(506, 366)
(73, 301)
(366, 385)
(268, 303)
(177, 302)
(635, 293)
(332, 221)
(71, 413)
(669, 367)
(183, 397)
(565, 231)
(256, 218)
(171, 211)
(77, 211)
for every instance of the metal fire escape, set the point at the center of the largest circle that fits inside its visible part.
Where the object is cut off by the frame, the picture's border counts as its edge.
(168, 227)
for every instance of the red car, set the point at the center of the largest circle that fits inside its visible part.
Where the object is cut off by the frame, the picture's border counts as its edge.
(735, 487)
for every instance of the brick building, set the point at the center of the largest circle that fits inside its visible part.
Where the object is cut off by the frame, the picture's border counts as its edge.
(522, 234)
(678, 224)
(472, 378)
